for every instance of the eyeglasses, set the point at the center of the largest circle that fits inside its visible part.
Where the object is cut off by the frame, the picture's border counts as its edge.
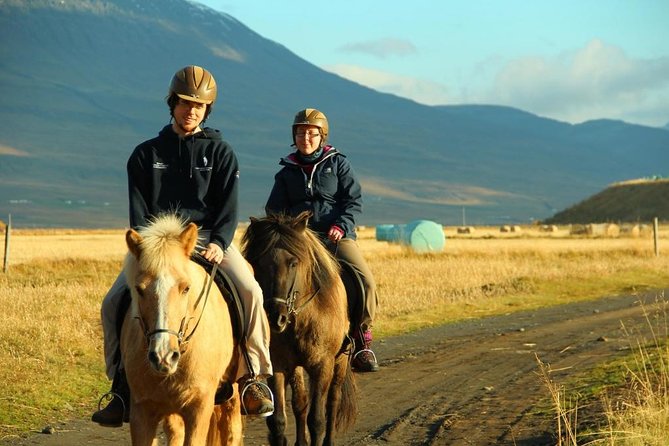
(309, 135)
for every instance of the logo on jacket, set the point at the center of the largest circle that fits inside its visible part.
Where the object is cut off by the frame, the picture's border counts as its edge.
(205, 161)
(159, 165)
(327, 170)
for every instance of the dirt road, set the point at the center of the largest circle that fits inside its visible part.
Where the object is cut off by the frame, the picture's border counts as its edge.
(470, 383)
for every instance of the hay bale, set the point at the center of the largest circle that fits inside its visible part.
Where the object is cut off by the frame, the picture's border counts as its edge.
(516, 228)
(631, 230)
(424, 236)
(466, 230)
(548, 228)
(603, 230)
(505, 228)
(578, 230)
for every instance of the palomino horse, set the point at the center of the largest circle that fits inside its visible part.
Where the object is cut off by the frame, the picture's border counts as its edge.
(306, 306)
(177, 342)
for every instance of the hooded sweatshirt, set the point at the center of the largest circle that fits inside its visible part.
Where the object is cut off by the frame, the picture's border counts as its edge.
(196, 176)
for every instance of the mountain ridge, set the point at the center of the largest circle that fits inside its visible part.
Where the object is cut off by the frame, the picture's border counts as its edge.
(84, 82)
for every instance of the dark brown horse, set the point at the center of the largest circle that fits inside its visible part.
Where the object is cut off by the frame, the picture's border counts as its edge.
(306, 306)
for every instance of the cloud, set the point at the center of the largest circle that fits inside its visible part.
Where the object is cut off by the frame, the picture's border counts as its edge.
(381, 48)
(419, 90)
(597, 81)
(11, 151)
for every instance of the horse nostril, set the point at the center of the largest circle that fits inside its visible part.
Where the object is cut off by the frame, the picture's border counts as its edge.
(282, 320)
(153, 357)
(174, 358)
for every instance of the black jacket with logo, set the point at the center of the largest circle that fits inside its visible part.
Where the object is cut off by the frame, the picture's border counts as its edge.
(196, 176)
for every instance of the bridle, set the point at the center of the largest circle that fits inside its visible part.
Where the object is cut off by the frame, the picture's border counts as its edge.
(182, 339)
(291, 297)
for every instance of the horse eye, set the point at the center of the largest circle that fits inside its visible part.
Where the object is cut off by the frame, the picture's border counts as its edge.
(185, 290)
(139, 290)
(293, 263)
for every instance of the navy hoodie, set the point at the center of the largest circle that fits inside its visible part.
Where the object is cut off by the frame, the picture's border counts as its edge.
(197, 176)
(331, 191)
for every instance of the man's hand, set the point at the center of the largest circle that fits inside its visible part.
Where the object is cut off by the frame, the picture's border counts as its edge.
(213, 253)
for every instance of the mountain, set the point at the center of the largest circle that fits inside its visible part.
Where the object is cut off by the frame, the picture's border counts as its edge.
(84, 81)
(630, 201)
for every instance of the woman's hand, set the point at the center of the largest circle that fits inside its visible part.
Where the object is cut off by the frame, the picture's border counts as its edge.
(335, 233)
(213, 253)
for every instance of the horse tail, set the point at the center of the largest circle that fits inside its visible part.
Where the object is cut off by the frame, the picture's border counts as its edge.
(348, 404)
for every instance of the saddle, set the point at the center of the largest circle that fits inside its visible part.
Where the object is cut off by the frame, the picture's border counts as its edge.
(230, 294)
(225, 285)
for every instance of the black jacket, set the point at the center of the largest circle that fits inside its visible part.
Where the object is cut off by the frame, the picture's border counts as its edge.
(196, 176)
(332, 192)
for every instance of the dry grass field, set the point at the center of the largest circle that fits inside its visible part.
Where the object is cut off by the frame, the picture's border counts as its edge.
(50, 335)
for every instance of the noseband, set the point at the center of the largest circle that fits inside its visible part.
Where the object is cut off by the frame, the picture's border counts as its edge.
(180, 335)
(291, 297)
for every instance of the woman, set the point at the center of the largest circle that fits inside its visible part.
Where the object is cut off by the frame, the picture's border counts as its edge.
(319, 178)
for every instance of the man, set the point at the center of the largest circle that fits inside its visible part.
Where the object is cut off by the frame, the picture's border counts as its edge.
(193, 171)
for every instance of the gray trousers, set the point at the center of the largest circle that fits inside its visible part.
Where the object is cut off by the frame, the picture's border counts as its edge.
(348, 249)
(250, 293)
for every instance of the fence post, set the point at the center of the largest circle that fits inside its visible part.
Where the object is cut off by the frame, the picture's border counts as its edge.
(656, 236)
(8, 229)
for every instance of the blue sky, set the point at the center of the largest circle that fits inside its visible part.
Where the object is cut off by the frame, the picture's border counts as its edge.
(568, 60)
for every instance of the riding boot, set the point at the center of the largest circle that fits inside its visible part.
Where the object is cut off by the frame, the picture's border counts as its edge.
(257, 398)
(118, 410)
(364, 359)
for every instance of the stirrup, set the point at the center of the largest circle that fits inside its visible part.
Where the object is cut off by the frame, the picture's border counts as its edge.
(355, 355)
(265, 387)
(109, 396)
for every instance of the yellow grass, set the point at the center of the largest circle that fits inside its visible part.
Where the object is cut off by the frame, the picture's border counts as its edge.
(50, 335)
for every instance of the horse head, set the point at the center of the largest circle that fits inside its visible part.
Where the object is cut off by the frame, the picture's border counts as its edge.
(158, 272)
(282, 260)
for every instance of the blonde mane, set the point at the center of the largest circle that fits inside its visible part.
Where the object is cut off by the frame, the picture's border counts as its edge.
(159, 238)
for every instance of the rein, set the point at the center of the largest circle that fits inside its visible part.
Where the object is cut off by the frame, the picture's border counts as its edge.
(291, 298)
(180, 335)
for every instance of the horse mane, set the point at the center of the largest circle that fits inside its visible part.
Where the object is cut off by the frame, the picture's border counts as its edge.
(277, 231)
(160, 237)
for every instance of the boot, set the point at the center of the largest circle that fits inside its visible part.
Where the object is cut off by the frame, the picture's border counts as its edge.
(364, 359)
(223, 393)
(118, 410)
(257, 399)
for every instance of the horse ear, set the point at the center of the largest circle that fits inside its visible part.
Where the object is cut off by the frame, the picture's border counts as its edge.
(301, 220)
(189, 238)
(133, 240)
(254, 220)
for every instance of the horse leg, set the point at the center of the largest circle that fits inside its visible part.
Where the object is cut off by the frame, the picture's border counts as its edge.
(319, 379)
(197, 417)
(334, 401)
(143, 425)
(300, 404)
(226, 425)
(173, 425)
(276, 423)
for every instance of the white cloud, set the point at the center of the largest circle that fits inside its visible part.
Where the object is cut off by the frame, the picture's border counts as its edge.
(597, 81)
(419, 90)
(381, 48)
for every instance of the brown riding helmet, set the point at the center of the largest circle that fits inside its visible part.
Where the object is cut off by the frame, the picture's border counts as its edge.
(194, 84)
(311, 116)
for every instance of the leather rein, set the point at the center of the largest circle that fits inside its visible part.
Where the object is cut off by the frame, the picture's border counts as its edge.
(291, 298)
(183, 328)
